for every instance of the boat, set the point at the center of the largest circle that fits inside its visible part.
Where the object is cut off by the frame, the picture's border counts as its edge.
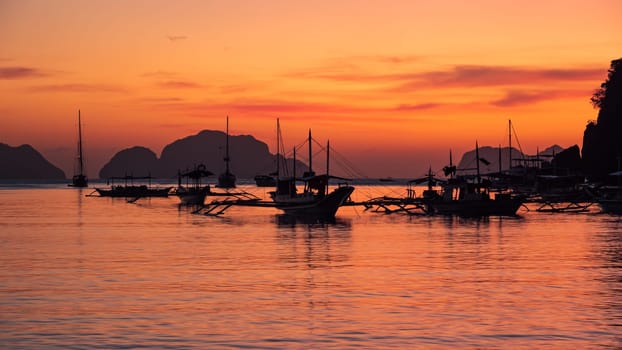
(79, 179)
(264, 181)
(610, 196)
(464, 197)
(226, 179)
(315, 200)
(193, 192)
(130, 190)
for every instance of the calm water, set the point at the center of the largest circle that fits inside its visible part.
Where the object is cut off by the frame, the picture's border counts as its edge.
(87, 272)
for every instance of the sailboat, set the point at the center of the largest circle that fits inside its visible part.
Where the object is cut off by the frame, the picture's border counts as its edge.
(226, 179)
(79, 179)
(315, 200)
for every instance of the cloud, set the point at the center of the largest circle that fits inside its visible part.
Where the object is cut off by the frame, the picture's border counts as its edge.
(77, 88)
(161, 99)
(458, 76)
(418, 107)
(516, 97)
(178, 84)
(473, 76)
(20, 73)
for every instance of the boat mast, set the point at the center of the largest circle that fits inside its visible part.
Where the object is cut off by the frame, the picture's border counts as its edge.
(80, 162)
(310, 156)
(327, 156)
(451, 165)
(227, 149)
(294, 164)
(477, 162)
(278, 148)
(500, 160)
(510, 142)
(327, 166)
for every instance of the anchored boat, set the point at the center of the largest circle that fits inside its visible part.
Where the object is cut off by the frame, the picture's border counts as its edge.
(79, 179)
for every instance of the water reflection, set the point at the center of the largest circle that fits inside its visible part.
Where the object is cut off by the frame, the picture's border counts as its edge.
(284, 220)
(607, 249)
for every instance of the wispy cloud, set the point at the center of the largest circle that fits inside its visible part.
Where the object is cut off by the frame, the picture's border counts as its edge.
(514, 98)
(20, 73)
(473, 76)
(455, 76)
(179, 84)
(81, 88)
(418, 107)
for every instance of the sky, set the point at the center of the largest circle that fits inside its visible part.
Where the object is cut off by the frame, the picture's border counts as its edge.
(394, 85)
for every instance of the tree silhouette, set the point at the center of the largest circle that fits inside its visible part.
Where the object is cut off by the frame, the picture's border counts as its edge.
(602, 140)
(609, 95)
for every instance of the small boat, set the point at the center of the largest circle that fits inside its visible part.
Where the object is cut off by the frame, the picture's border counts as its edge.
(79, 179)
(131, 190)
(463, 198)
(315, 200)
(226, 179)
(265, 181)
(193, 192)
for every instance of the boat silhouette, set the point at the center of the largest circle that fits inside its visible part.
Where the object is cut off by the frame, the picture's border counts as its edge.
(130, 190)
(194, 191)
(315, 198)
(79, 179)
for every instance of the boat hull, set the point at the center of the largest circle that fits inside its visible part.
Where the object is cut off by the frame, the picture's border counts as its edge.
(192, 196)
(226, 180)
(79, 181)
(474, 208)
(134, 191)
(326, 206)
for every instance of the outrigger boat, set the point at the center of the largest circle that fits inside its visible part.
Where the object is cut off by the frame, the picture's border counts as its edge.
(193, 192)
(133, 191)
(315, 199)
(314, 202)
(463, 198)
(79, 179)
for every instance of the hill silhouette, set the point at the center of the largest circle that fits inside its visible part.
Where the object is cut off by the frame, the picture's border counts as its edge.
(490, 156)
(24, 162)
(602, 144)
(248, 155)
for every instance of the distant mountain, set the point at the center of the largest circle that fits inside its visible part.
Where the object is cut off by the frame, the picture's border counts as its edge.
(24, 162)
(135, 161)
(248, 155)
(489, 158)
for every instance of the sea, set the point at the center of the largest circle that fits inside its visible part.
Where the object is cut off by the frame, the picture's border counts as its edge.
(79, 271)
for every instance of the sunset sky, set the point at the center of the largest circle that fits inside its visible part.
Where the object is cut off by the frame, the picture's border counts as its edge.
(393, 84)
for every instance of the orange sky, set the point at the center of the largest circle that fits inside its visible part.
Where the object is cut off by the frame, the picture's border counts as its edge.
(393, 84)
